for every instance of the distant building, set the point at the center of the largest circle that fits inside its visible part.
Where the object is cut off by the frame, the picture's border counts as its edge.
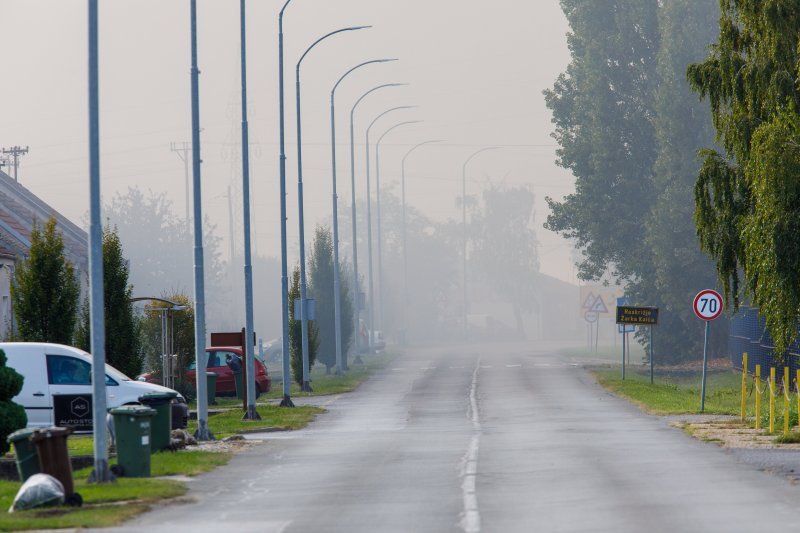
(19, 207)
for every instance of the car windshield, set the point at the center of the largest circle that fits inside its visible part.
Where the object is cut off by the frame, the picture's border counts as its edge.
(116, 374)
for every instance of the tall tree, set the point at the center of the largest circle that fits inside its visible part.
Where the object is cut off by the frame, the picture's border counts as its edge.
(747, 195)
(123, 346)
(602, 110)
(320, 270)
(682, 126)
(296, 334)
(45, 290)
(505, 247)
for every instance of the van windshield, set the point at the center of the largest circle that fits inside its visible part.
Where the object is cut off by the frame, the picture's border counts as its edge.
(116, 374)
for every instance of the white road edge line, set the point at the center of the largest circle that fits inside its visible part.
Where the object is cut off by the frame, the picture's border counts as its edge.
(471, 522)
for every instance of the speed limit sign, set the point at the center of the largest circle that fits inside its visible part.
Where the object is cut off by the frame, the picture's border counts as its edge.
(708, 304)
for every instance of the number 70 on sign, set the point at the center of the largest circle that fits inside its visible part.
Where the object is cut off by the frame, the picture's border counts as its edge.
(708, 304)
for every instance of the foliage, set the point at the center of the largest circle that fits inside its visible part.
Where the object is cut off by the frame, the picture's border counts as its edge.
(747, 194)
(321, 288)
(12, 416)
(159, 246)
(45, 290)
(296, 333)
(627, 125)
(505, 246)
(122, 337)
(183, 337)
(602, 109)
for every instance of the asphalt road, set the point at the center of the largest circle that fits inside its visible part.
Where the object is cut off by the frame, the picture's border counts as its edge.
(492, 438)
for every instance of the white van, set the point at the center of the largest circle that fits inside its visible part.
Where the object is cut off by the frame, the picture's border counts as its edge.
(53, 369)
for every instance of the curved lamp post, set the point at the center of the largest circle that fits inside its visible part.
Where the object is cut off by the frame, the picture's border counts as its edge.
(337, 304)
(287, 400)
(405, 243)
(464, 221)
(306, 387)
(357, 300)
(371, 333)
(378, 204)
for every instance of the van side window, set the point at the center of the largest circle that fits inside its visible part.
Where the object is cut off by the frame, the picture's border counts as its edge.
(65, 370)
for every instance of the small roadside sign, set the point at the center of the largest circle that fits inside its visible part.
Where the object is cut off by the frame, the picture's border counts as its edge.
(639, 316)
(707, 304)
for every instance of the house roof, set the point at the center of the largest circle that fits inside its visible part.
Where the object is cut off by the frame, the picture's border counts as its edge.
(19, 207)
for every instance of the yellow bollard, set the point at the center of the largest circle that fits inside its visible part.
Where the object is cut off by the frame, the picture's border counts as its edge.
(758, 396)
(786, 389)
(772, 400)
(744, 385)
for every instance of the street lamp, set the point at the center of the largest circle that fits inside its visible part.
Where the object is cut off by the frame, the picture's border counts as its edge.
(337, 305)
(405, 242)
(369, 230)
(287, 400)
(252, 413)
(306, 387)
(356, 310)
(464, 221)
(101, 471)
(378, 197)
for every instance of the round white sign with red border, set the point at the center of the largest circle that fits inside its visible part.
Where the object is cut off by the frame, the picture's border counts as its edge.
(708, 304)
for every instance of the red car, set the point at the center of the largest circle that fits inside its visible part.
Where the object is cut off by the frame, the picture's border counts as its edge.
(221, 361)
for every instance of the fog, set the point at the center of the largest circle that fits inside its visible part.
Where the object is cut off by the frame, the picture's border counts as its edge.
(476, 71)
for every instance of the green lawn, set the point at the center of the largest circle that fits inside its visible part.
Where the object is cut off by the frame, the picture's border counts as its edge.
(326, 384)
(676, 393)
(230, 422)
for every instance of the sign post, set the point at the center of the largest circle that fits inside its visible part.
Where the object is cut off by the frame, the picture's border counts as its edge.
(707, 306)
(637, 316)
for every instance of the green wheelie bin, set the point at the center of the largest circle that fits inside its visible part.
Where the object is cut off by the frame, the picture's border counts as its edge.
(25, 451)
(237, 380)
(132, 429)
(161, 424)
(211, 387)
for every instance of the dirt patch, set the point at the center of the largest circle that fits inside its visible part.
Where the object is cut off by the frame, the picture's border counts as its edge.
(733, 434)
(224, 446)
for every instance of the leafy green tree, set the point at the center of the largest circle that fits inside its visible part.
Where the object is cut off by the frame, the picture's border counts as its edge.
(602, 110)
(747, 195)
(12, 416)
(682, 126)
(505, 247)
(123, 346)
(45, 290)
(296, 334)
(320, 270)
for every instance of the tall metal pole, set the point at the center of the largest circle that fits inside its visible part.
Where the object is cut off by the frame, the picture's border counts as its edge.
(101, 472)
(341, 365)
(378, 205)
(356, 289)
(464, 223)
(306, 386)
(199, 281)
(705, 366)
(405, 241)
(371, 313)
(287, 400)
(252, 413)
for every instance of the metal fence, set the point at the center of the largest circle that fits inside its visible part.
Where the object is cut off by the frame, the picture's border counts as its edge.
(748, 333)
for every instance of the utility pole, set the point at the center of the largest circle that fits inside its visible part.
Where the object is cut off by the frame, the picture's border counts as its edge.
(183, 149)
(16, 152)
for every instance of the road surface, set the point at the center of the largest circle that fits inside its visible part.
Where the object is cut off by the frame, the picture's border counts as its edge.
(493, 438)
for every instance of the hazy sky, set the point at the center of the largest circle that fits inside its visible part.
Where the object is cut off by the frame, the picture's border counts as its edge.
(476, 70)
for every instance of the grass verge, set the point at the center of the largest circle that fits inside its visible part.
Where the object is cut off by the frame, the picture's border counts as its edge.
(678, 393)
(230, 422)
